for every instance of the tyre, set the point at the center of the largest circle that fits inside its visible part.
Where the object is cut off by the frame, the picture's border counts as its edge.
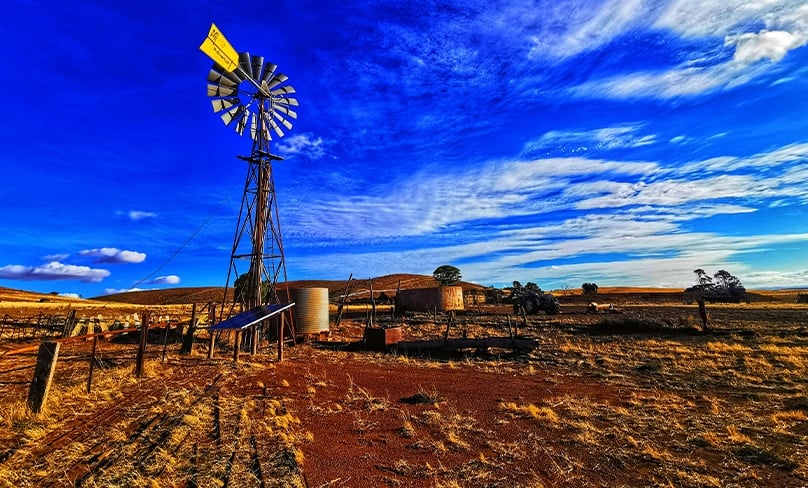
(531, 306)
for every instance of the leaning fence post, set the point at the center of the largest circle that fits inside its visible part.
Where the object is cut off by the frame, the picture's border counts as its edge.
(188, 340)
(43, 375)
(165, 340)
(141, 351)
(211, 319)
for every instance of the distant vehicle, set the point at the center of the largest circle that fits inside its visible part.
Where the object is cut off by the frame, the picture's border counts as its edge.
(532, 301)
(716, 294)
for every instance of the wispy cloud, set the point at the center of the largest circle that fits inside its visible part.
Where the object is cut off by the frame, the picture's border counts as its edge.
(56, 257)
(618, 137)
(140, 215)
(113, 255)
(634, 212)
(53, 271)
(432, 202)
(588, 28)
(754, 51)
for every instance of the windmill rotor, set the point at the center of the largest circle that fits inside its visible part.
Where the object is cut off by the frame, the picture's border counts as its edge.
(253, 95)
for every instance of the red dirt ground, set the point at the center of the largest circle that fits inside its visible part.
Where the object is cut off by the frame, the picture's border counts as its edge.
(360, 423)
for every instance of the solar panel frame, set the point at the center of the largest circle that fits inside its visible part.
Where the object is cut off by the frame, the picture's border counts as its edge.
(251, 317)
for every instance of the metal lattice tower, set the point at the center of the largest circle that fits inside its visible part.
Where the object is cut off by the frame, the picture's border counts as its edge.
(258, 239)
(247, 92)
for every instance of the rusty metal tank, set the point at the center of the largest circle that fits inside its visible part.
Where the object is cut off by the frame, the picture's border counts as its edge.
(311, 310)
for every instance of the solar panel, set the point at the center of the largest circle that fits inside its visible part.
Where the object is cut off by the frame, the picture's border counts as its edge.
(252, 316)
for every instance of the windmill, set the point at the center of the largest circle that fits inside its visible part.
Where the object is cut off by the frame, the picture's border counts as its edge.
(250, 96)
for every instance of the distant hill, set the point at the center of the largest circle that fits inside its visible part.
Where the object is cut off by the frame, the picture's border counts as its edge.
(359, 287)
(12, 295)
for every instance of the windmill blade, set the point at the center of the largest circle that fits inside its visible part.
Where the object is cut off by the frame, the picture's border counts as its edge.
(254, 128)
(287, 101)
(257, 63)
(224, 104)
(218, 76)
(269, 69)
(221, 80)
(233, 114)
(221, 91)
(283, 90)
(244, 62)
(253, 123)
(234, 76)
(285, 110)
(242, 122)
(283, 121)
(272, 124)
(277, 80)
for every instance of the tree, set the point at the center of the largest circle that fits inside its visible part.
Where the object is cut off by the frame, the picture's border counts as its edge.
(589, 288)
(723, 279)
(704, 280)
(446, 275)
(242, 288)
(493, 295)
(532, 287)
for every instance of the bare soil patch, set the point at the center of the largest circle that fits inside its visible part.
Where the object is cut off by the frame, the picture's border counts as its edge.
(642, 397)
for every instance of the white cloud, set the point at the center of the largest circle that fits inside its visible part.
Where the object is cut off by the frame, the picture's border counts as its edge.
(718, 18)
(304, 145)
(113, 255)
(114, 291)
(53, 271)
(775, 279)
(752, 47)
(165, 280)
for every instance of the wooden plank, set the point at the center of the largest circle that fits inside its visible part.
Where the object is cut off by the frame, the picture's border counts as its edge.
(459, 344)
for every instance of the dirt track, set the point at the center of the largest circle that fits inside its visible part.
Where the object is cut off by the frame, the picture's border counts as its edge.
(608, 400)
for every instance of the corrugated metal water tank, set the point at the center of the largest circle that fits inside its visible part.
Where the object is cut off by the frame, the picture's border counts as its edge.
(311, 310)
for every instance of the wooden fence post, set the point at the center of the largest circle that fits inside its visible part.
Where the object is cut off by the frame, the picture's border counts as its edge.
(341, 303)
(281, 326)
(256, 336)
(165, 340)
(211, 343)
(92, 365)
(188, 340)
(43, 375)
(236, 346)
(211, 319)
(141, 351)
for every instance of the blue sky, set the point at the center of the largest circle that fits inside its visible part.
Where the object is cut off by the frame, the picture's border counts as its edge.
(620, 142)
